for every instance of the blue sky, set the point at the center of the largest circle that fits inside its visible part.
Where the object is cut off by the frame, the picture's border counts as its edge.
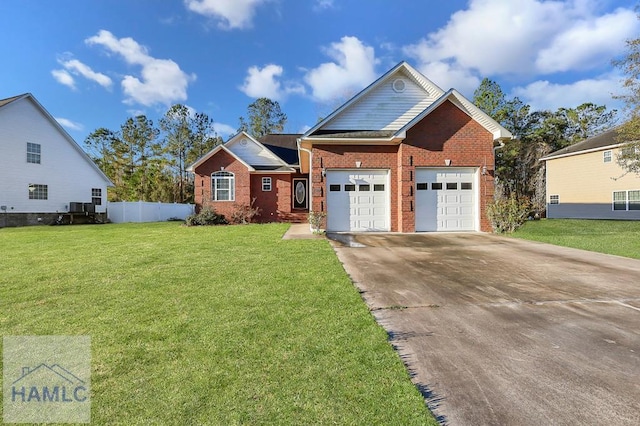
(93, 63)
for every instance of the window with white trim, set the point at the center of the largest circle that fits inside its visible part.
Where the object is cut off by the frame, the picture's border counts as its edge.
(626, 200)
(606, 156)
(223, 186)
(266, 184)
(96, 196)
(33, 153)
(554, 199)
(38, 191)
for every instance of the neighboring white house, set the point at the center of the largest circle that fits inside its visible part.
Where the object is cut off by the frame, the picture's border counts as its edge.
(584, 181)
(43, 171)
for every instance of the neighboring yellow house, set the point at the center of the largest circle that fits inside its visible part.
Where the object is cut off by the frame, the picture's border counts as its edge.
(584, 181)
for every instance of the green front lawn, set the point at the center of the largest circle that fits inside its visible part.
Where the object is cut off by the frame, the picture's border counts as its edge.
(215, 325)
(617, 237)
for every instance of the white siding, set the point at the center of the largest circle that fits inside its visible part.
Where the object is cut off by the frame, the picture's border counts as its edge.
(385, 109)
(67, 173)
(252, 153)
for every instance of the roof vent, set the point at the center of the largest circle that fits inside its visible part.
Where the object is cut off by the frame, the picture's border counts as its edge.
(399, 85)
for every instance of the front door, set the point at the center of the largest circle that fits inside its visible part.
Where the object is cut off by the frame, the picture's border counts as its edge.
(300, 193)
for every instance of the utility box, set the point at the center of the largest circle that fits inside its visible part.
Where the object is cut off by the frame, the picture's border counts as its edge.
(75, 207)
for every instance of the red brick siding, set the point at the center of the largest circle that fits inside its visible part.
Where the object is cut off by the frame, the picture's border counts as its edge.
(449, 133)
(203, 183)
(446, 133)
(275, 205)
(345, 157)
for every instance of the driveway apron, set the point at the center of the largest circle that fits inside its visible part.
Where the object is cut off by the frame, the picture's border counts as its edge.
(500, 331)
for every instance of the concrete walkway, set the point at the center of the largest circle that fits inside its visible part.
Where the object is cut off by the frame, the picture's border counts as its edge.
(301, 231)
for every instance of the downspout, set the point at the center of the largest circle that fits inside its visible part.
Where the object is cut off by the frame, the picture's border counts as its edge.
(300, 148)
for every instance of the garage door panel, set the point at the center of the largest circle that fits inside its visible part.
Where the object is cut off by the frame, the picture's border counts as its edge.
(446, 199)
(366, 208)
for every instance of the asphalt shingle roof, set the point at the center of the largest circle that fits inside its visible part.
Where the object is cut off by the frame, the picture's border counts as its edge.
(602, 140)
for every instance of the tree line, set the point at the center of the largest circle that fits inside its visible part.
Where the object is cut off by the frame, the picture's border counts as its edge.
(519, 171)
(148, 162)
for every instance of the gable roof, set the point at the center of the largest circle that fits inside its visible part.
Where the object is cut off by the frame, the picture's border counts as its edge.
(394, 114)
(29, 97)
(213, 152)
(284, 145)
(599, 142)
(383, 112)
(250, 152)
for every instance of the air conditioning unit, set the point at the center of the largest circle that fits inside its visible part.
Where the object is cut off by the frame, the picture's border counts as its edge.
(75, 207)
(89, 208)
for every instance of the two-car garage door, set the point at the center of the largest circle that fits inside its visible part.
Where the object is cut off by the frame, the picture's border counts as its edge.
(445, 199)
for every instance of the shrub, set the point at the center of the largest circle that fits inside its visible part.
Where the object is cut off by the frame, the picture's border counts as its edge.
(207, 216)
(316, 219)
(244, 213)
(508, 214)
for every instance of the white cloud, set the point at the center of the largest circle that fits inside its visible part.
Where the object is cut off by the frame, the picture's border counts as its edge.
(230, 14)
(71, 125)
(323, 5)
(162, 81)
(588, 41)
(78, 68)
(63, 77)
(497, 37)
(544, 95)
(224, 130)
(353, 69)
(447, 76)
(263, 83)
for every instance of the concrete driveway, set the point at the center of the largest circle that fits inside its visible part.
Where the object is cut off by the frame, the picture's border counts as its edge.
(499, 331)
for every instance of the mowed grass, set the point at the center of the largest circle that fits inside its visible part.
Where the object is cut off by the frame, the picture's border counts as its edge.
(617, 237)
(212, 325)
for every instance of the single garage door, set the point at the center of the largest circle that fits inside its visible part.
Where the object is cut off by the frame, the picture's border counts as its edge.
(357, 200)
(446, 199)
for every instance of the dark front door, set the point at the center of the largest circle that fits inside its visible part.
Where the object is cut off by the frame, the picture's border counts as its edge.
(300, 190)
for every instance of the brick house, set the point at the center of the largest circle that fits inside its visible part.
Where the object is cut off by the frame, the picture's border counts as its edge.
(402, 156)
(245, 170)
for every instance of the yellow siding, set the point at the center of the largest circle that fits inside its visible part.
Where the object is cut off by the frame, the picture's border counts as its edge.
(586, 178)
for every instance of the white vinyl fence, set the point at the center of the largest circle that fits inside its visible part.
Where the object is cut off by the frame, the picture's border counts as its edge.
(142, 211)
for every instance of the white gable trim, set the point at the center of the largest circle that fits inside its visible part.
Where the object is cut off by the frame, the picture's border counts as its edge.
(452, 95)
(239, 136)
(63, 132)
(429, 86)
(213, 152)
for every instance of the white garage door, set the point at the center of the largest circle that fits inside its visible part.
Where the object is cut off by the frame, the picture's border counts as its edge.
(357, 200)
(446, 199)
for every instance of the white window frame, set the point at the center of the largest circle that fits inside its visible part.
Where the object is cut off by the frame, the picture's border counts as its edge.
(34, 153)
(607, 156)
(38, 191)
(217, 178)
(266, 184)
(627, 200)
(554, 199)
(96, 196)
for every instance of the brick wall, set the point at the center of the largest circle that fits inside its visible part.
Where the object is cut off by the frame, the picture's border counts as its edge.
(449, 133)
(446, 133)
(345, 156)
(276, 205)
(203, 183)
